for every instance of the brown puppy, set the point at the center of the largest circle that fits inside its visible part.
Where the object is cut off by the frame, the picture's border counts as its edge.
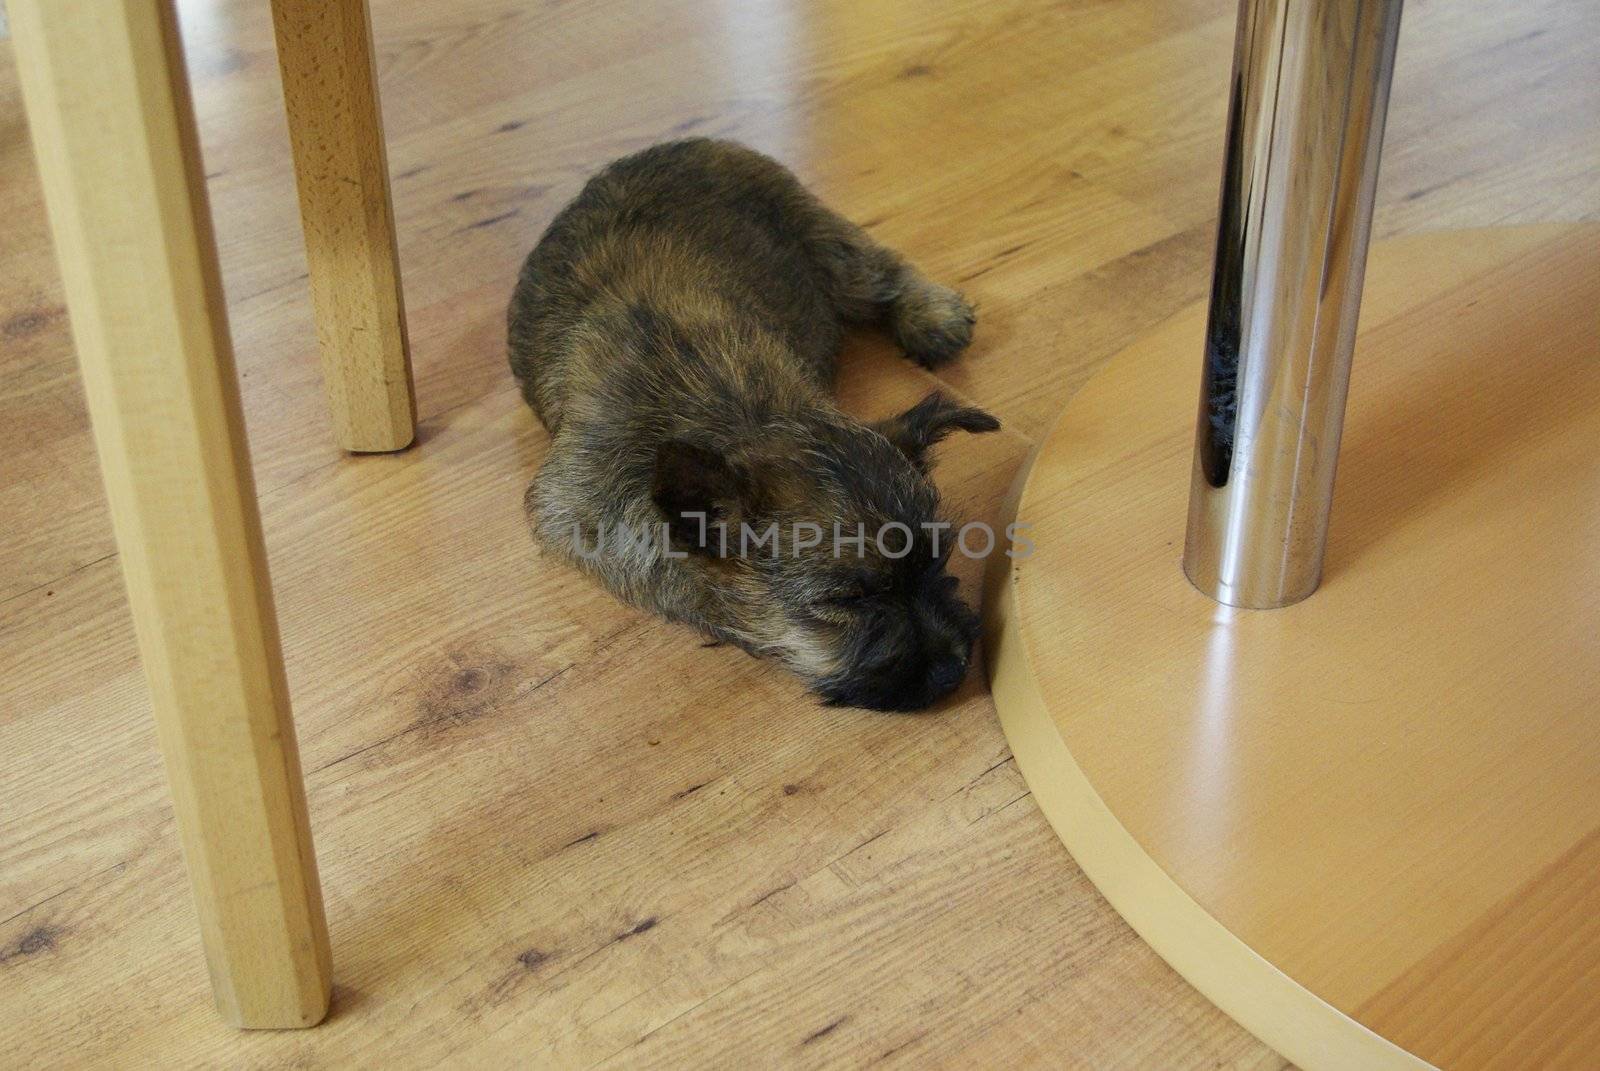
(676, 330)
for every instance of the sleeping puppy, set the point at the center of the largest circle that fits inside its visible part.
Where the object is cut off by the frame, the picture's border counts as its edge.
(676, 330)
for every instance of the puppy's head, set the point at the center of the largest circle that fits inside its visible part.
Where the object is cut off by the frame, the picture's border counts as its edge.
(823, 547)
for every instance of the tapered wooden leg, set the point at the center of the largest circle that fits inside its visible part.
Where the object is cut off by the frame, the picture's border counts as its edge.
(330, 91)
(113, 130)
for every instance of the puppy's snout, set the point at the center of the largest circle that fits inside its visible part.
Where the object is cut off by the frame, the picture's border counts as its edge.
(946, 674)
(909, 684)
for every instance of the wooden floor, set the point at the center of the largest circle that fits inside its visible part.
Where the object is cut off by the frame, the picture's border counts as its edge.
(554, 832)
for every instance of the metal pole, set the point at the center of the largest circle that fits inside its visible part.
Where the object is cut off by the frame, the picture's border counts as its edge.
(1305, 125)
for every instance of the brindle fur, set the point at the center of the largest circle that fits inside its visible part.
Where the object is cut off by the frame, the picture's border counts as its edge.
(676, 329)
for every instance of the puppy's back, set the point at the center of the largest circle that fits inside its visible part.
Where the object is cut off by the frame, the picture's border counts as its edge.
(693, 229)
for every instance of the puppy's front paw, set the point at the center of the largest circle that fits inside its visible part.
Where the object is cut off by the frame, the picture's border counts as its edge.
(932, 323)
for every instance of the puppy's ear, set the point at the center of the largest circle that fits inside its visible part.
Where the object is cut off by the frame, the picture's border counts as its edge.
(696, 488)
(930, 420)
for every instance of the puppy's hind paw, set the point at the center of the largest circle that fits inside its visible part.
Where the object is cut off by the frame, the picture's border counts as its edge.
(932, 323)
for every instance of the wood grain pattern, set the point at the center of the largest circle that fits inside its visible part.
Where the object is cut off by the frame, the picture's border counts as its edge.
(330, 91)
(465, 711)
(1374, 812)
(111, 121)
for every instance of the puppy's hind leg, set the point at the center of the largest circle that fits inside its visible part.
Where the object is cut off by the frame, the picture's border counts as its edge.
(874, 284)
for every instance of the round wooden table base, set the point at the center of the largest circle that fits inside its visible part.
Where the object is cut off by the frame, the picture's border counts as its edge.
(1367, 826)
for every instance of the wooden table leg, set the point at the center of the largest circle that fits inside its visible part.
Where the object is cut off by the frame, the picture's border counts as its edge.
(113, 129)
(330, 91)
